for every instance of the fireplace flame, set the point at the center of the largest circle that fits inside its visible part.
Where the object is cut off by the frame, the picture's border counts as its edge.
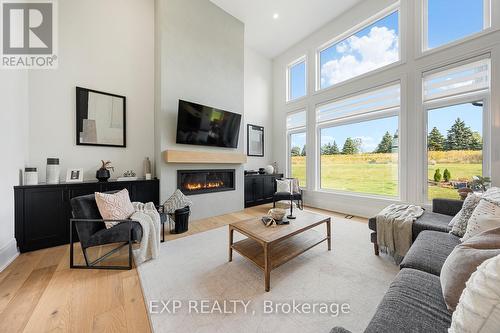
(200, 186)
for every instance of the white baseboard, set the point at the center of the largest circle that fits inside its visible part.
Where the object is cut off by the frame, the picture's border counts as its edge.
(347, 204)
(8, 253)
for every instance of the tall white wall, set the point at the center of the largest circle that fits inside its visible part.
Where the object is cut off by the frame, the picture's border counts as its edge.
(14, 148)
(103, 45)
(200, 53)
(106, 46)
(258, 103)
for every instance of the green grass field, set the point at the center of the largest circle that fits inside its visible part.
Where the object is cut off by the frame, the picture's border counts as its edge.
(378, 173)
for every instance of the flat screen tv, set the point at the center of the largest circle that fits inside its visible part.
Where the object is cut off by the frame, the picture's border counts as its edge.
(203, 125)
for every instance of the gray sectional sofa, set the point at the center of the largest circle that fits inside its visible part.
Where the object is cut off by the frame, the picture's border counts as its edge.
(414, 301)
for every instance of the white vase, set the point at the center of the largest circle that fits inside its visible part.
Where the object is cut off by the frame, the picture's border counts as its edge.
(53, 171)
(30, 176)
(269, 169)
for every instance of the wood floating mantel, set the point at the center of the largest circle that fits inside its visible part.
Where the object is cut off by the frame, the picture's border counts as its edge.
(184, 156)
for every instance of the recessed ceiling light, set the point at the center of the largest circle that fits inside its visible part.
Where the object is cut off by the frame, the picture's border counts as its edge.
(276, 16)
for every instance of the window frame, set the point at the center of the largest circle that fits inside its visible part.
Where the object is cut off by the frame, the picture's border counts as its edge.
(464, 98)
(289, 133)
(375, 115)
(424, 28)
(288, 79)
(396, 7)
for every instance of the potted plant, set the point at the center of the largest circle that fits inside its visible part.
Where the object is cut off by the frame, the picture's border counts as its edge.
(480, 184)
(103, 173)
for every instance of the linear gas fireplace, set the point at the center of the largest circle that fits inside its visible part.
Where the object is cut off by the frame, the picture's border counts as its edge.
(192, 182)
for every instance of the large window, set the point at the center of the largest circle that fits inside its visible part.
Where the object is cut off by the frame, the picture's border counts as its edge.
(297, 138)
(451, 20)
(456, 101)
(359, 143)
(370, 48)
(296, 73)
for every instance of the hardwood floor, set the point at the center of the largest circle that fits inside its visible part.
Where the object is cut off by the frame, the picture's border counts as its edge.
(39, 293)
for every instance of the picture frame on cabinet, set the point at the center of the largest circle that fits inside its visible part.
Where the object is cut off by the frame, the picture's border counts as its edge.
(74, 176)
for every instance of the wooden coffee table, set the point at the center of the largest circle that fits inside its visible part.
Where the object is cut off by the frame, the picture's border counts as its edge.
(271, 247)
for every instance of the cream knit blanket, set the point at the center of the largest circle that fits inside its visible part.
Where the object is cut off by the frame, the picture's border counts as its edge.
(394, 229)
(148, 217)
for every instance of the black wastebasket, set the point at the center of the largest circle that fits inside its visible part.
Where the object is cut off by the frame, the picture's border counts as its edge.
(180, 220)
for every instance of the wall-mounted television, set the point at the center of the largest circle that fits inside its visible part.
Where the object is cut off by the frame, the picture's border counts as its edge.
(207, 126)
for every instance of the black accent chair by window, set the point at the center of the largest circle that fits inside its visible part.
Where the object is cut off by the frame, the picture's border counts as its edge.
(91, 231)
(289, 196)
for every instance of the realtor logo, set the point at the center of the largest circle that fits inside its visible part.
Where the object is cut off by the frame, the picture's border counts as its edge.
(29, 34)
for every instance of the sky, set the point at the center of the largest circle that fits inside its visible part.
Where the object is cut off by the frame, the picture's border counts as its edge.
(453, 19)
(376, 46)
(373, 47)
(298, 140)
(444, 118)
(298, 77)
(370, 133)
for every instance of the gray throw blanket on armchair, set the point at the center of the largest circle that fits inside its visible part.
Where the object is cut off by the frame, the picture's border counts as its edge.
(394, 229)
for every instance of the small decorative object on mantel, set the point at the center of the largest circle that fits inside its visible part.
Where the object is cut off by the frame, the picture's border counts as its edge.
(269, 169)
(262, 171)
(53, 171)
(127, 176)
(74, 176)
(103, 173)
(30, 176)
(147, 168)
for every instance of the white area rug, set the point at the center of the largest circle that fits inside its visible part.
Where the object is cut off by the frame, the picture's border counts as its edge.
(196, 268)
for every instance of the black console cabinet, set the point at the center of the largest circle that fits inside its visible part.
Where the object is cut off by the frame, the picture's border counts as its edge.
(259, 189)
(42, 212)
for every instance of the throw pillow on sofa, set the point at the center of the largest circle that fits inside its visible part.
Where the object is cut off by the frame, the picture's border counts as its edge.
(485, 216)
(492, 194)
(464, 260)
(462, 218)
(480, 224)
(116, 206)
(479, 306)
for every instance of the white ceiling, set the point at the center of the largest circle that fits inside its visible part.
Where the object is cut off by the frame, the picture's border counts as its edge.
(297, 19)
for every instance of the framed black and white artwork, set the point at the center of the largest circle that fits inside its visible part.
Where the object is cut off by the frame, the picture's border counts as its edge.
(74, 175)
(100, 118)
(255, 140)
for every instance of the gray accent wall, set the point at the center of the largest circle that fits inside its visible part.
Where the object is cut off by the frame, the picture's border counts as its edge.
(199, 58)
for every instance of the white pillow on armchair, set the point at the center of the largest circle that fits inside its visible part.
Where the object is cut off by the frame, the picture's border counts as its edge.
(288, 185)
(283, 185)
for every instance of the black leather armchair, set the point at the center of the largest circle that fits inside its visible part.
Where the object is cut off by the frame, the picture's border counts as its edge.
(92, 231)
(288, 196)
